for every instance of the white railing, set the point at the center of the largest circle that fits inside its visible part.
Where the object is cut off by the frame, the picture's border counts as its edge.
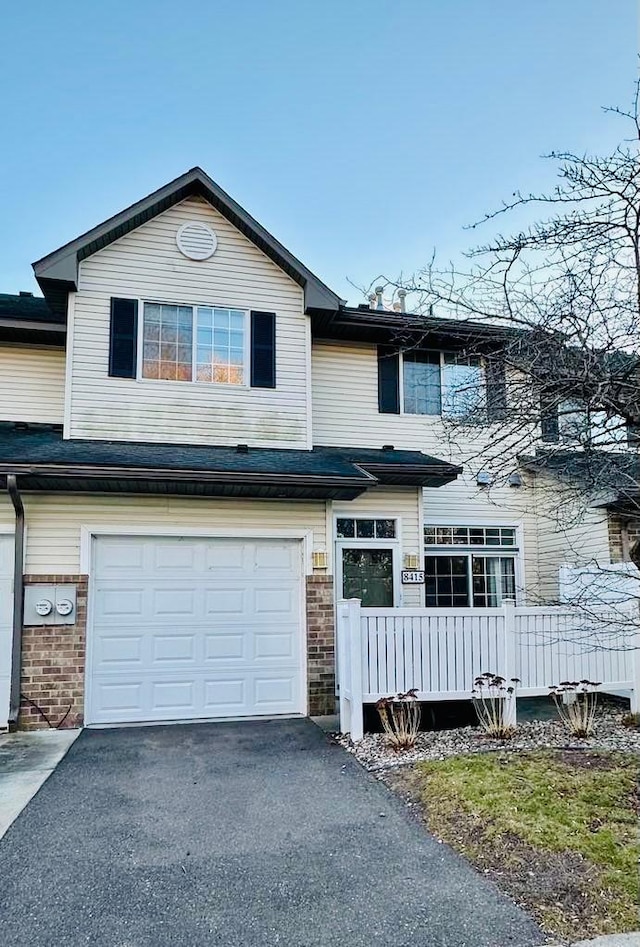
(440, 652)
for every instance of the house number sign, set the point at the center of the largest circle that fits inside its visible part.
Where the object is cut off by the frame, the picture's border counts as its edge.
(412, 576)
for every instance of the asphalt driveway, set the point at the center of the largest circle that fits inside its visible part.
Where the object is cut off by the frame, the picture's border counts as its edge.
(234, 834)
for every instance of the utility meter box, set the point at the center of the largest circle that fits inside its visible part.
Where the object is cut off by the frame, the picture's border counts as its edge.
(49, 604)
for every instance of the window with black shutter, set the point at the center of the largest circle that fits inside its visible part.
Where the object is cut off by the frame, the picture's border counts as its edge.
(263, 350)
(123, 338)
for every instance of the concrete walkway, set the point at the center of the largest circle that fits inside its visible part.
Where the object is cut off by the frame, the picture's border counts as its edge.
(239, 835)
(26, 761)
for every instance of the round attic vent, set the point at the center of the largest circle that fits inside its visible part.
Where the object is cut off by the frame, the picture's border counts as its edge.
(196, 241)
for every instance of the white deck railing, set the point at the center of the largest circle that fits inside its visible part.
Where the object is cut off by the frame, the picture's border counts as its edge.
(440, 652)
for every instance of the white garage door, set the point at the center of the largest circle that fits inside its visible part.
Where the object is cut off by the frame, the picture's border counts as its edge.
(187, 629)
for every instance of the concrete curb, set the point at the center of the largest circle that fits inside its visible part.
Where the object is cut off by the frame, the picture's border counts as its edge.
(27, 759)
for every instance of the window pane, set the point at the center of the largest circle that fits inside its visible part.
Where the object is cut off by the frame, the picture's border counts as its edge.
(446, 581)
(429, 535)
(464, 387)
(365, 529)
(367, 574)
(421, 382)
(163, 327)
(385, 529)
(219, 347)
(346, 529)
(494, 579)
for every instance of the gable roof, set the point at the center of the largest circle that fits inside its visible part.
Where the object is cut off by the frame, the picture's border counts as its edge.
(57, 273)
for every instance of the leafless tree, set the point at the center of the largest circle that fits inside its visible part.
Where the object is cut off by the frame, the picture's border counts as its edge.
(562, 298)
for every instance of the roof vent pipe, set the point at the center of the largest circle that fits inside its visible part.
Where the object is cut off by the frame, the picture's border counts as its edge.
(402, 296)
(379, 292)
(372, 301)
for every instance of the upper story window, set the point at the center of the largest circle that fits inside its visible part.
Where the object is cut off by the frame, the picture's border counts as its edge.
(443, 384)
(194, 343)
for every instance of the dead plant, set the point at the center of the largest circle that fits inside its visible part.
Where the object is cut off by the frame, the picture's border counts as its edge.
(400, 718)
(576, 703)
(494, 699)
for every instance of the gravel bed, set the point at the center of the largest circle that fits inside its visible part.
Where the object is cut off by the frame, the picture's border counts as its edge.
(611, 734)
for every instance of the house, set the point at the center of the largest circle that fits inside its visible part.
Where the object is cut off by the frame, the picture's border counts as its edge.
(203, 448)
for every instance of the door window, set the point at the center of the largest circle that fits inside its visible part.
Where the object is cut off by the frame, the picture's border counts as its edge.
(367, 574)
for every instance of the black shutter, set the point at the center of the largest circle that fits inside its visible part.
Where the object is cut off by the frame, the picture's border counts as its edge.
(388, 380)
(549, 427)
(123, 339)
(263, 350)
(496, 388)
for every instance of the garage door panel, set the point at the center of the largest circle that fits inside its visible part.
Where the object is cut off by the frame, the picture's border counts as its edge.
(203, 628)
(228, 557)
(174, 557)
(120, 556)
(120, 650)
(225, 601)
(225, 647)
(274, 645)
(173, 648)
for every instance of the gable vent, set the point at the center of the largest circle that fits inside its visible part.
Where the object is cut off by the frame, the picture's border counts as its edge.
(196, 241)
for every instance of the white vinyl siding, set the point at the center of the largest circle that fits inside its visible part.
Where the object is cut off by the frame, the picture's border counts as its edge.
(54, 521)
(569, 533)
(32, 384)
(147, 265)
(403, 504)
(345, 412)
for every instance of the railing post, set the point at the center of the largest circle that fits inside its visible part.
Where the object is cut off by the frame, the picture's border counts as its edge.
(355, 645)
(343, 666)
(509, 672)
(635, 665)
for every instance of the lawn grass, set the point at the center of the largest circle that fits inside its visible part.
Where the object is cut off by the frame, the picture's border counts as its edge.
(557, 830)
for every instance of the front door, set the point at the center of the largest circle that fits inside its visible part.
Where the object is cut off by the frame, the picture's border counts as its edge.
(367, 574)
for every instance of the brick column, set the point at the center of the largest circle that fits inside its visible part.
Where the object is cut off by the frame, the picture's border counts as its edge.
(53, 663)
(321, 661)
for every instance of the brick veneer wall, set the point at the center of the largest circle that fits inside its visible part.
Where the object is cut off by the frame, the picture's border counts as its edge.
(321, 662)
(53, 659)
(617, 543)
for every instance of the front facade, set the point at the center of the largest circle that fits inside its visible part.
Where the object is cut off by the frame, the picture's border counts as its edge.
(203, 449)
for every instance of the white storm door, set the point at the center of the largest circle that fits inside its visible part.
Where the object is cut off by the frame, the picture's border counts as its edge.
(186, 629)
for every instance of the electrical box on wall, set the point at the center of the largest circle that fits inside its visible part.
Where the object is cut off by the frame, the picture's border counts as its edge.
(49, 604)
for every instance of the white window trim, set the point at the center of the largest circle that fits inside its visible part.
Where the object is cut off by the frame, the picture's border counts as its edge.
(246, 365)
(441, 353)
(516, 552)
(395, 545)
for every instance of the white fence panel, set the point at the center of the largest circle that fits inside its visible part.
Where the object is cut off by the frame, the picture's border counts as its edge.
(564, 644)
(440, 652)
(437, 651)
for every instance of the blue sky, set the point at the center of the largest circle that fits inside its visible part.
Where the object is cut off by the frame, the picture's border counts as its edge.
(361, 133)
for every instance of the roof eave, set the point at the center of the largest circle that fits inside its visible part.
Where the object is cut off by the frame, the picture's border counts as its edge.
(59, 269)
